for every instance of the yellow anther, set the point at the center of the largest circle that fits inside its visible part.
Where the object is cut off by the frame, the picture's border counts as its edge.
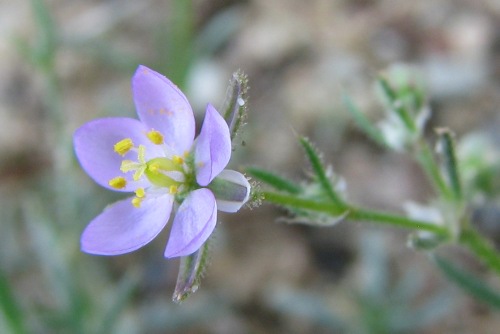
(139, 192)
(155, 137)
(177, 159)
(118, 182)
(136, 201)
(173, 189)
(123, 146)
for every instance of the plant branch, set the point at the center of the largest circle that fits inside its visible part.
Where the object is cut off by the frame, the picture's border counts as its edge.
(352, 213)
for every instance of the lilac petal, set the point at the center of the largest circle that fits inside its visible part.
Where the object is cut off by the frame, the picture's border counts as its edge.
(194, 222)
(122, 228)
(213, 148)
(94, 147)
(163, 107)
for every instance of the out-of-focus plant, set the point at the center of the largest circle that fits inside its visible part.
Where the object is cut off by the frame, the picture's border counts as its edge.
(65, 302)
(461, 180)
(376, 304)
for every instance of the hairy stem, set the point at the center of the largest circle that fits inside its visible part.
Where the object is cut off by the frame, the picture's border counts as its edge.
(353, 213)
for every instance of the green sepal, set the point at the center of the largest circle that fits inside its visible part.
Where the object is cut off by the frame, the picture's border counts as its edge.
(228, 191)
(191, 270)
(446, 144)
(234, 109)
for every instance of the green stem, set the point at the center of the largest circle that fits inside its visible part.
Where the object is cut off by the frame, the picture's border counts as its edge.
(353, 213)
(469, 238)
(300, 203)
(481, 247)
(394, 220)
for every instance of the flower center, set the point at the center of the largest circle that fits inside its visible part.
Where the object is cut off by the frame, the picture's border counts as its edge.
(162, 172)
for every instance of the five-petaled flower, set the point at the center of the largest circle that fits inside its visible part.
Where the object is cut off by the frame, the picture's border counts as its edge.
(158, 159)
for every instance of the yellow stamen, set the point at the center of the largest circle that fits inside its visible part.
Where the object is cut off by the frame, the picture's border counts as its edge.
(128, 165)
(138, 173)
(118, 182)
(139, 167)
(123, 146)
(155, 137)
(141, 154)
(139, 197)
(177, 159)
(136, 202)
(139, 192)
(173, 189)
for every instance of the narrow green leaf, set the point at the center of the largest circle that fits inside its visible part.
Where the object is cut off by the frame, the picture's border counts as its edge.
(191, 270)
(10, 308)
(46, 42)
(178, 43)
(363, 122)
(447, 146)
(101, 51)
(482, 248)
(471, 284)
(294, 202)
(122, 294)
(428, 163)
(278, 182)
(320, 172)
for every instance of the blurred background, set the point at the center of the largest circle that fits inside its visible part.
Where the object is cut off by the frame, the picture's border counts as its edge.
(64, 63)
